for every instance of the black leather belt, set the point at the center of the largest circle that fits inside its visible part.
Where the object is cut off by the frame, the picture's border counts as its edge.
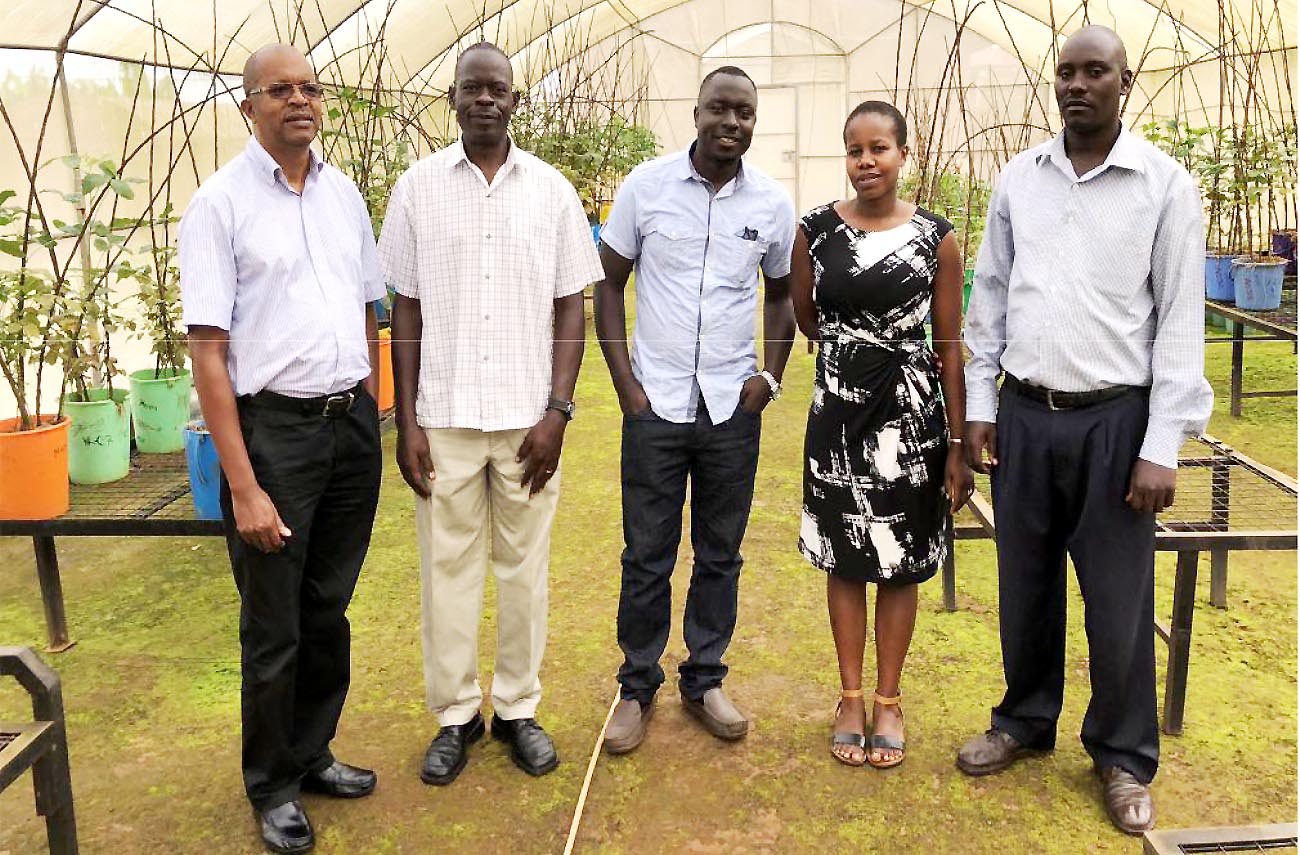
(329, 406)
(1065, 400)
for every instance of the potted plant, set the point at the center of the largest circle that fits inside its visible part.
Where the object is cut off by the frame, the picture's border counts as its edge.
(160, 395)
(1257, 281)
(33, 445)
(99, 439)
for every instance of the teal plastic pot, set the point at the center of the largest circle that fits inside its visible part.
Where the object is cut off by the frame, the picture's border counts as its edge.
(1218, 278)
(1257, 282)
(160, 406)
(205, 471)
(99, 440)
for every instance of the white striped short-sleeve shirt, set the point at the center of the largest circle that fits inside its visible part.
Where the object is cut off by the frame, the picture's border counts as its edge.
(486, 263)
(288, 276)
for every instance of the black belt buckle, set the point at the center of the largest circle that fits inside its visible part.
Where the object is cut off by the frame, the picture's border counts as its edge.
(338, 405)
(1051, 403)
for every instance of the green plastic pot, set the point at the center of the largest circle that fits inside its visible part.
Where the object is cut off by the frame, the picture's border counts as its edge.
(160, 406)
(99, 440)
(968, 279)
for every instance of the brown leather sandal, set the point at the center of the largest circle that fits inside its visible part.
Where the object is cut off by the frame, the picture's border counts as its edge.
(844, 737)
(887, 743)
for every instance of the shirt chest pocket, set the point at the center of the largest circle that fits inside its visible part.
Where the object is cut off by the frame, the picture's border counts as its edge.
(676, 250)
(732, 260)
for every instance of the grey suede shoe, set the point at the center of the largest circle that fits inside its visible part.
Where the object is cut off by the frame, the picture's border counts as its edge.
(718, 714)
(991, 751)
(1127, 800)
(627, 728)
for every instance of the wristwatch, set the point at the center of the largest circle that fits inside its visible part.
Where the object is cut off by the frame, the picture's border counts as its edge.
(772, 383)
(564, 408)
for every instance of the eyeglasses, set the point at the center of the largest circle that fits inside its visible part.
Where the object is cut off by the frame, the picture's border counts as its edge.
(284, 91)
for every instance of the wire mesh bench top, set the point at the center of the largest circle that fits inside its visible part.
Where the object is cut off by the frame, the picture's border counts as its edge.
(1280, 321)
(1224, 500)
(153, 499)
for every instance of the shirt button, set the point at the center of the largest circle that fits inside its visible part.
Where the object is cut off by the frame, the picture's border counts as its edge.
(487, 236)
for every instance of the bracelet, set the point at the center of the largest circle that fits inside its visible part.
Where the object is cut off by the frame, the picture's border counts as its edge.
(955, 440)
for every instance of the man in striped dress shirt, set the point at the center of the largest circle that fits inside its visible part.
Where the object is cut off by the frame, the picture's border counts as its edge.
(278, 267)
(1088, 300)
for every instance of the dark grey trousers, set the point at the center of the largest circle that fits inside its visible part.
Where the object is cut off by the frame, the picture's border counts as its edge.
(322, 474)
(1059, 489)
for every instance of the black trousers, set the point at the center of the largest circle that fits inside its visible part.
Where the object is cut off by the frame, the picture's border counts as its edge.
(322, 474)
(1059, 489)
(658, 459)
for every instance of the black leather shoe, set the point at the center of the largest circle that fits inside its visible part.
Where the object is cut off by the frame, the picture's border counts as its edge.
(530, 747)
(285, 828)
(340, 781)
(447, 754)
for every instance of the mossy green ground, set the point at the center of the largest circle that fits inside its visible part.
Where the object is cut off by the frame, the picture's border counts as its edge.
(152, 692)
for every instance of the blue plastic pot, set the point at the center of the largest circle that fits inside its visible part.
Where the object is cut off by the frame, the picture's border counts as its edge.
(1258, 282)
(1218, 277)
(205, 471)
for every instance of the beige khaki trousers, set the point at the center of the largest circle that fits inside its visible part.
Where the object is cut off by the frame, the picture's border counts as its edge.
(477, 514)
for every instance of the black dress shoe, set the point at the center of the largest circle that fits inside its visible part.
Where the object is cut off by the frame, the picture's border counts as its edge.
(447, 753)
(285, 828)
(531, 749)
(340, 781)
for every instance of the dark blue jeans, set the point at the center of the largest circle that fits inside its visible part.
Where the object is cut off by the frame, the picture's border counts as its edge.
(658, 458)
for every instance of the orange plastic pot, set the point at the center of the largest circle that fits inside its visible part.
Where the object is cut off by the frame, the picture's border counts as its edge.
(387, 396)
(33, 469)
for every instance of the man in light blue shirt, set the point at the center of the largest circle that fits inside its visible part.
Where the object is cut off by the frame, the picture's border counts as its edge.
(697, 225)
(278, 271)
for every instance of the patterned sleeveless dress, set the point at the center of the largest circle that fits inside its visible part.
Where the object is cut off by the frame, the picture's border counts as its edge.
(875, 507)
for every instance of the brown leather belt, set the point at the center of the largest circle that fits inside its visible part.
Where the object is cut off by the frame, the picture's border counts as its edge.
(1065, 400)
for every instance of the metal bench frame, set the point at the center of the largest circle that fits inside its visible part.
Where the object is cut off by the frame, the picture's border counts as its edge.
(40, 745)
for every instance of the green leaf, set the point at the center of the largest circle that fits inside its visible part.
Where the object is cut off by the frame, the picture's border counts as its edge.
(90, 182)
(11, 247)
(122, 188)
(6, 195)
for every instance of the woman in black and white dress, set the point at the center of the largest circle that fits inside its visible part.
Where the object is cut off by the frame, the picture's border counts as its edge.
(884, 468)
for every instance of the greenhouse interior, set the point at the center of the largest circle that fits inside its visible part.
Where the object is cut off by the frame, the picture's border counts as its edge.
(120, 649)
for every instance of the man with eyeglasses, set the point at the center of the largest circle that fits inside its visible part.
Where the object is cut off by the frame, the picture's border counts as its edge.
(278, 268)
(489, 252)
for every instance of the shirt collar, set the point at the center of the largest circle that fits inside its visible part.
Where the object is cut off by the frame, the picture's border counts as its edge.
(513, 158)
(686, 171)
(268, 168)
(1126, 153)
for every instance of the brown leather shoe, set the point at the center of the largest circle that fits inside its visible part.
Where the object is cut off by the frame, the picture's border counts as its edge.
(992, 751)
(627, 727)
(718, 714)
(1128, 801)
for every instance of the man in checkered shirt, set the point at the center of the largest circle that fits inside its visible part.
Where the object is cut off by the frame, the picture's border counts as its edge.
(489, 251)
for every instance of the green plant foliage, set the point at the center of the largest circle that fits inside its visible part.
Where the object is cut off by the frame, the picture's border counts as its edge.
(56, 313)
(365, 139)
(1240, 170)
(593, 155)
(961, 200)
